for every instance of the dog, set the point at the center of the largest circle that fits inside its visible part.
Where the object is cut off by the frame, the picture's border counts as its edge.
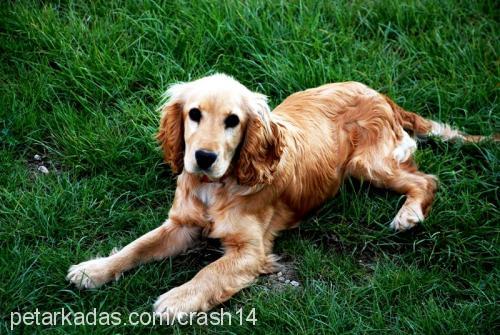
(245, 174)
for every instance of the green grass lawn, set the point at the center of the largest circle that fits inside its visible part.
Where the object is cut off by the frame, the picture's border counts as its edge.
(80, 83)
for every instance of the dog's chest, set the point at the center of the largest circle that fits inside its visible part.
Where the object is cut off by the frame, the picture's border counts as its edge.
(207, 193)
(211, 194)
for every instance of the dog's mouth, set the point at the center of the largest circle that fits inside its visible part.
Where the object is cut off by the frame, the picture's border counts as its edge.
(213, 174)
(207, 177)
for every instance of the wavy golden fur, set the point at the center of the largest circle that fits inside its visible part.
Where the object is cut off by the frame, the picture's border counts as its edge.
(270, 170)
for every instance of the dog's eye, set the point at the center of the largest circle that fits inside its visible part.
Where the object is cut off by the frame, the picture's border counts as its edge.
(195, 114)
(232, 121)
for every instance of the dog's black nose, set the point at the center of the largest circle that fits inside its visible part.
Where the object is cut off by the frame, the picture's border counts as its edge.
(205, 159)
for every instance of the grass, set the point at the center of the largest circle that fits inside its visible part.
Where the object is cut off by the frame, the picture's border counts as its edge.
(79, 85)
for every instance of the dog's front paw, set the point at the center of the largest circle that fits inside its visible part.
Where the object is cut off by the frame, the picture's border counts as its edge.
(408, 217)
(91, 274)
(180, 301)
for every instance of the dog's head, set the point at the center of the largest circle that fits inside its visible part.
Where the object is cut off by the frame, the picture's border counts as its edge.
(214, 126)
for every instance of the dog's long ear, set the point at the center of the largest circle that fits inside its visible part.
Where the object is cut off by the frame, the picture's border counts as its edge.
(262, 146)
(171, 132)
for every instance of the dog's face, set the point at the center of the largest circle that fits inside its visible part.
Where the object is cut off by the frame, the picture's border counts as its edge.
(214, 121)
(206, 121)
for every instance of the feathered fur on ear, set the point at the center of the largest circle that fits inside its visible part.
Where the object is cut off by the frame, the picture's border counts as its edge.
(262, 146)
(171, 132)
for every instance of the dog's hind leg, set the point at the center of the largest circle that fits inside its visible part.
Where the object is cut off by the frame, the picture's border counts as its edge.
(419, 188)
(398, 172)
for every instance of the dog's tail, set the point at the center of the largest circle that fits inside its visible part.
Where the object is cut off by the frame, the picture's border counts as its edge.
(423, 127)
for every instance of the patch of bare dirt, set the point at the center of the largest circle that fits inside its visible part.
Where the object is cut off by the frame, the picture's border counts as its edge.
(41, 164)
(286, 276)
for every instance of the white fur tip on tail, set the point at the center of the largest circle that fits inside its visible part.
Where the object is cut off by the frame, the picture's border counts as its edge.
(447, 133)
(444, 131)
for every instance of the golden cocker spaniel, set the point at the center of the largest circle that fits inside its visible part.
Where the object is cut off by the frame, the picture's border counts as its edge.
(247, 173)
